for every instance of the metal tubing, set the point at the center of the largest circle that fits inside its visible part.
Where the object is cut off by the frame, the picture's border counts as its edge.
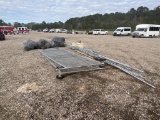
(95, 54)
(132, 74)
(126, 68)
(115, 65)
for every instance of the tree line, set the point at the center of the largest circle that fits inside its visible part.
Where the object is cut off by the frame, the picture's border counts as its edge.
(113, 20)
(141, 15)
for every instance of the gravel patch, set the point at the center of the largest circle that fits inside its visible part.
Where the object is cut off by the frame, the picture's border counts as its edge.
(29, 88)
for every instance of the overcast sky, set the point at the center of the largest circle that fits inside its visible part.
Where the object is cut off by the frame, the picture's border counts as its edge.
(25, 11)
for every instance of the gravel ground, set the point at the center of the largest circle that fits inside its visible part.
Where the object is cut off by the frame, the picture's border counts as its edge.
(30, 91)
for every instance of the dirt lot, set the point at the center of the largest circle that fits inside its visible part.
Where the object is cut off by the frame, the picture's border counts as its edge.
(29, 89)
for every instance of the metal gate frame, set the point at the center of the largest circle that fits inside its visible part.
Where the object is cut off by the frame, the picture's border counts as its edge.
(67, 62)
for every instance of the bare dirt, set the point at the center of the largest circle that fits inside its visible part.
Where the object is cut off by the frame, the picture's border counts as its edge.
(30, 91)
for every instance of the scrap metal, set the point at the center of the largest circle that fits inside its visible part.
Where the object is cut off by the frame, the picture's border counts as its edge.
(134, 72)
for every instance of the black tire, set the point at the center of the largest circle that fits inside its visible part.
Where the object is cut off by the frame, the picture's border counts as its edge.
(102, 66)
(153, 36)
(59, 76)
(142, 36)
(5, 32)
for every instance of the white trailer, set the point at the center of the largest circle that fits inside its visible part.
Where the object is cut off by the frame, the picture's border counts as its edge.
(122, 31)
(99, 32)
(58, 30)
(146, 30)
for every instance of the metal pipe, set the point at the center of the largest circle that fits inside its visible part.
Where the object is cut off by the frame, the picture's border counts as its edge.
(115, 65)
(132, 74)
(95, 54)
(126, 68)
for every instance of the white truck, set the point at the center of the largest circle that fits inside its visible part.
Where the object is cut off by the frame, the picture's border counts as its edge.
(58, 30)
(146, 30)
(99, 32)
(45, 30)
(51, 30)
(122, 31)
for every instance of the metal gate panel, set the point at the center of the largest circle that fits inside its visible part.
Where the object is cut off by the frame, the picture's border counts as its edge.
(68, 62)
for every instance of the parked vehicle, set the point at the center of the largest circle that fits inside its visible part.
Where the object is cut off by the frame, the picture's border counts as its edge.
(146, 30)
(52, 30)
(6, 29)
(23, 30)
(45, 30)
(122, 31)
(99, 32)
(63, 31)
(58, 30)
(2, 36)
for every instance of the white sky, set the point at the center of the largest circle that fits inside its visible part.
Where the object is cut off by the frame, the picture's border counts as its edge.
(25, 11)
